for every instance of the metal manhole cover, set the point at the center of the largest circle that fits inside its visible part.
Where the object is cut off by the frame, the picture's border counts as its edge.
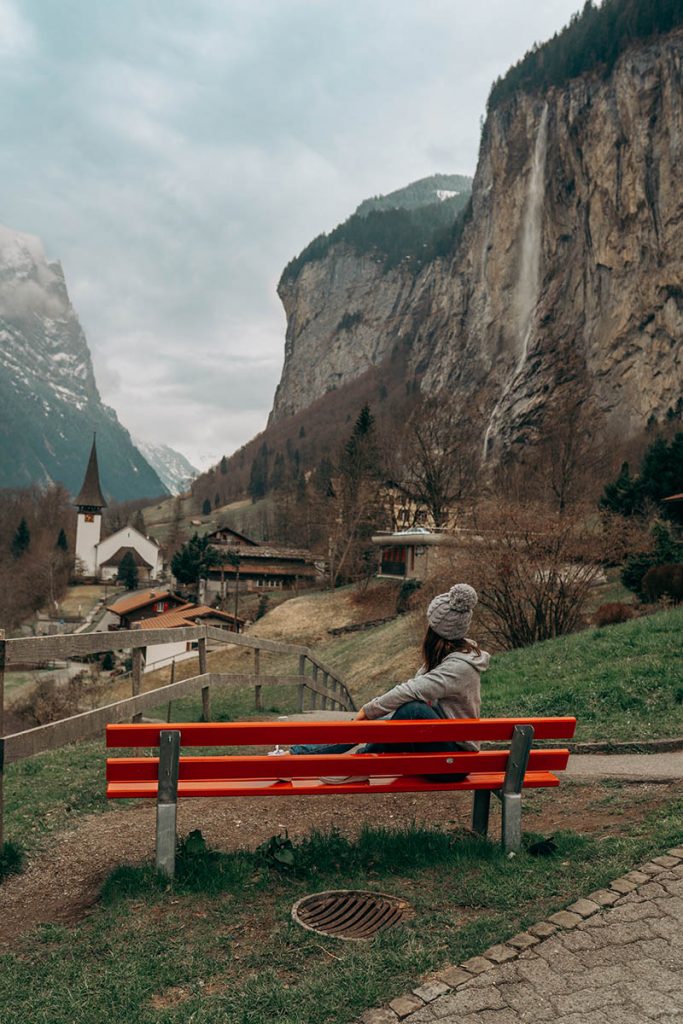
(350, 914)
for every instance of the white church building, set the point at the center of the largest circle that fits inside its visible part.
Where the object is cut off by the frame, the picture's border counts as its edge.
(100, 559)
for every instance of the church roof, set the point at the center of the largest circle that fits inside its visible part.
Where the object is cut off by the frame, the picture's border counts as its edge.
(91, 493)
(119, 555)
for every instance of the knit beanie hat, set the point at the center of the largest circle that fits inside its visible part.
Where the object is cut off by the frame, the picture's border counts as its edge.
(450, 614)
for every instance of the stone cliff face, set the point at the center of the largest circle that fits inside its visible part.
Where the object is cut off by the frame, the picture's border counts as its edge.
(569, 277)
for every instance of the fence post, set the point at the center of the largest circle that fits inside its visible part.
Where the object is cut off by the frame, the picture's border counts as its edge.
(168, 710)
(326, 679)
(3, 647)
(138, 669)
(258, 701)
(206, 693)
(335, 690)
(314, 695)
(302, 672)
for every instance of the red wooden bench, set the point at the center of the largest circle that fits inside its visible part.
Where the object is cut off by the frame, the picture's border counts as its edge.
(505, 772)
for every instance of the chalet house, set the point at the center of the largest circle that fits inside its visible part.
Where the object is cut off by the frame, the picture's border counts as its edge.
(259, 567)
(407, 554)
(404, 511)
(158, 655)
(147, 604)
(165, 610)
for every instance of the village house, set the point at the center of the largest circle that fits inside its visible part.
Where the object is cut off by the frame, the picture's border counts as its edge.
(145, 604)
(407, 554)
(255, 567)
(404, 511)
(166, 610)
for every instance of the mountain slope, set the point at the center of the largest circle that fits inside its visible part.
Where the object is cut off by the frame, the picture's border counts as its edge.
(173, 469)
(49, 402)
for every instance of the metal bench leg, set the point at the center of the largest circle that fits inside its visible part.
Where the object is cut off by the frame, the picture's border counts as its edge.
(480, 811)
(512, 822)
(167, 800)
(518, 759)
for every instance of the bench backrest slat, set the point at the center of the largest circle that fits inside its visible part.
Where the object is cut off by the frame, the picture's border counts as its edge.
(145, 769)
(244, 734)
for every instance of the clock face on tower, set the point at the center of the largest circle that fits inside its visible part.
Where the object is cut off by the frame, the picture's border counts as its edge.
(89, 517)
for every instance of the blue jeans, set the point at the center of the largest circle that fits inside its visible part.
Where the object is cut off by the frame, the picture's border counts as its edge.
(414, 709)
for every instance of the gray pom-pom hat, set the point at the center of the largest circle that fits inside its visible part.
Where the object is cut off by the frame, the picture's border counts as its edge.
(450, 614)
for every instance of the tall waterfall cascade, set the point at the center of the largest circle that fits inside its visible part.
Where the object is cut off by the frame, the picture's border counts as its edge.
(529, 279)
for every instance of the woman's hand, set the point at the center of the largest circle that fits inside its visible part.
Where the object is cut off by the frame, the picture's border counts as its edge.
(361, 716)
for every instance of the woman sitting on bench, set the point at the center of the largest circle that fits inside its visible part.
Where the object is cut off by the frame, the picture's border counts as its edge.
(447, 684)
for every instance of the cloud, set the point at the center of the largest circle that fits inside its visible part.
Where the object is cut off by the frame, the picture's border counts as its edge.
(17, 37)
(175, 164)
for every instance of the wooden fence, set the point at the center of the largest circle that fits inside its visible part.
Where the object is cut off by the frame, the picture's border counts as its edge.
(316, 684)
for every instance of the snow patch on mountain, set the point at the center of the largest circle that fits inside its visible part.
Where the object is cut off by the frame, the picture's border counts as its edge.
(172, 468)
(49, 402)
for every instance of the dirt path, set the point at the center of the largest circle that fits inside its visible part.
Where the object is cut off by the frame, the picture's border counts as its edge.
(62, 883)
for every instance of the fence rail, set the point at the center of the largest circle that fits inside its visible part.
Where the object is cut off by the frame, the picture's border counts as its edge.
(315, 682)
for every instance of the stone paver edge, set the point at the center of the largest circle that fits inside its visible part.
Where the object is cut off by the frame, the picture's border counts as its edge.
(452, 978)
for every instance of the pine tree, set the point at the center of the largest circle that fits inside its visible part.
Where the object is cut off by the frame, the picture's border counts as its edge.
(21, 540)
(193, 561)
(128, 572)
(62, 542)
(258, 477)
(206, 507)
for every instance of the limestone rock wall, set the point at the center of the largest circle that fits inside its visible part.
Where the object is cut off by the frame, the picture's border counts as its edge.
(569, 276)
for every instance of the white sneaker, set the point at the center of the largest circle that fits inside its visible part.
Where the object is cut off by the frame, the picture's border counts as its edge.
(340, 780)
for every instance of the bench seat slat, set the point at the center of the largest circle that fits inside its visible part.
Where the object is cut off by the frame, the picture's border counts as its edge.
(145, 769)
(236, 734)
(313, 787)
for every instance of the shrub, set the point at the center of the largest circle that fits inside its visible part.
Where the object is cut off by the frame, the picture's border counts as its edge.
(404, 601)
(664, 581)
(613, 612)
(664, 550)
(51, 700)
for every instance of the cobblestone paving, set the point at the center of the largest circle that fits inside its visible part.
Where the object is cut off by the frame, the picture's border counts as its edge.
(613, 958)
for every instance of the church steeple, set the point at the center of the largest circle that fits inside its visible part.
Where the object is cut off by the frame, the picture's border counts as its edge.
(90, 498)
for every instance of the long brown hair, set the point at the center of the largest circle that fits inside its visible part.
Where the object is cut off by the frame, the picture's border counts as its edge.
(435, 648)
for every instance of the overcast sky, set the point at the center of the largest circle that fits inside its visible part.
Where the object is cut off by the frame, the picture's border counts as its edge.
(175, 154)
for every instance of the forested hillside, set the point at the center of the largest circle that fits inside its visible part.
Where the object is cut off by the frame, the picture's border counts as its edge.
(593, 40)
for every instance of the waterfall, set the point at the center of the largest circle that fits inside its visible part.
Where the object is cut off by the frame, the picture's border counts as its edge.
(529, 278)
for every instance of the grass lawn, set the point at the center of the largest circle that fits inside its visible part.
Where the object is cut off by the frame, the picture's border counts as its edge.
(622, 682)
(219, 946)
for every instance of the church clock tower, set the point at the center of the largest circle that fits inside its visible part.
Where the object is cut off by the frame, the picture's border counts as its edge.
(89, 503)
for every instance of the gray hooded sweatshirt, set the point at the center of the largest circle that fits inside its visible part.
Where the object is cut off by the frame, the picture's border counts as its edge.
(453, 685)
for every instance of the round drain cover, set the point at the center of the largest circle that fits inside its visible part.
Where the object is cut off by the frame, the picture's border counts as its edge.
(350, 914)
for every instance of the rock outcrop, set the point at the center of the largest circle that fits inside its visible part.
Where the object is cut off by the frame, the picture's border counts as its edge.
(568, 277)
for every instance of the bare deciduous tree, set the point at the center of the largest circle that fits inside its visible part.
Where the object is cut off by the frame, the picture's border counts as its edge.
(438, 456)
(533, 569)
